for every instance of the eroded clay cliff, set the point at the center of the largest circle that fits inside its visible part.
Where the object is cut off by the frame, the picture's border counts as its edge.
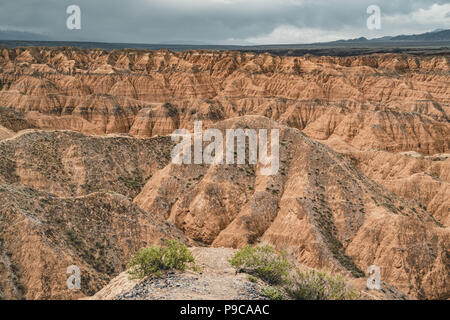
(388, 102)
(86, 176)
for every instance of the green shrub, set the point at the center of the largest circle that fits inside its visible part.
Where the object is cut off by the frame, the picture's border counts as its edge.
(275, 268)
(263, 262)
(319, 285)
(155, 259)
(272, 293)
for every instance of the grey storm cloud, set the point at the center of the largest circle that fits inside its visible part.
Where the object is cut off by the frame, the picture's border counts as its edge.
(221, 21)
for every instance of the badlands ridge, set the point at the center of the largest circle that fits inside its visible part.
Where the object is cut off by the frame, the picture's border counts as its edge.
(86, 176)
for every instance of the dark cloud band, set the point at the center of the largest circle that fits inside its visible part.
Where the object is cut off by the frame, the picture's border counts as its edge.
(214, 21)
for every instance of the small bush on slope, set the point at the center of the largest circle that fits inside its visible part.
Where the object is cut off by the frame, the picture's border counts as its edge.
(319, 285)
(155, 259)
(263, 262)
(276, 269)
(273, 293)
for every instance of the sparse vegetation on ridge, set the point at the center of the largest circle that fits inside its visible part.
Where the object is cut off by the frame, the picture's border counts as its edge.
(153, 260)
(319, 285)
(273, 293)
(263, 262)
(288, 281)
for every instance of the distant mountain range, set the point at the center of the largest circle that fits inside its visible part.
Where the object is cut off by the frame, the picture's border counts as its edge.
(436, 35)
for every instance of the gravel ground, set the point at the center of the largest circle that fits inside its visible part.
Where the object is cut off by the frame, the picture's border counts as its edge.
(175, 286)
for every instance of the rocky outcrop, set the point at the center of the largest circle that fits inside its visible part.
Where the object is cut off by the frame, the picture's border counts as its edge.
(69, 163)
(363, 178)
(318, 207)
(42, 235)
(425, 179)
(161, 119)
(388, 102)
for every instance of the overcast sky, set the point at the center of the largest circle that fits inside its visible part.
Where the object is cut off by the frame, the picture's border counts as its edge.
(223, 21)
